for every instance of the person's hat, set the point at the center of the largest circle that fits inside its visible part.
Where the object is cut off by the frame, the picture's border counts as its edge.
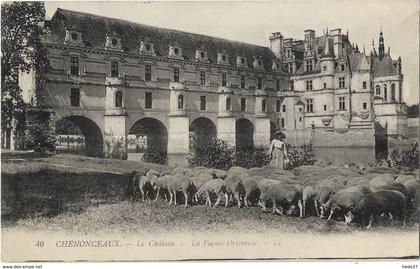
(280, 135)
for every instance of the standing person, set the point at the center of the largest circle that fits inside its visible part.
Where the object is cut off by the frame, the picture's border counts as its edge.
(278, 151)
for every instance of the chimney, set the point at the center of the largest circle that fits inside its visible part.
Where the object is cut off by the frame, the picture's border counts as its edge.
(276, 45)
(309, 39)
(338, 42)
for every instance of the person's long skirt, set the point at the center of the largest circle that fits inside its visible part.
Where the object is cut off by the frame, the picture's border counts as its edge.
(277, 160)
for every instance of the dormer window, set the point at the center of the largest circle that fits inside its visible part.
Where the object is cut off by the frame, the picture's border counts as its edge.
(241, 61)
(147, 48)
(258, 64)
(73, 37)
(113, 43)
(175, 52)
(222, 58)
(276, 66)
(201, 55)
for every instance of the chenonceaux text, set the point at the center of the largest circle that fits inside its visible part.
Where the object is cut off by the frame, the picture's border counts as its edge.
(88, 243)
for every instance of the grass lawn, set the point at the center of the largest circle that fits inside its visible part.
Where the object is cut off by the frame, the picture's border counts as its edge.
(88, 195)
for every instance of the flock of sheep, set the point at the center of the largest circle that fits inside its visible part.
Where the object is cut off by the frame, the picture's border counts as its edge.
(350, 193)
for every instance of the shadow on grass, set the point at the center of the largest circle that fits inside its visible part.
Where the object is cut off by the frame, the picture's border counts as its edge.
(47, 193)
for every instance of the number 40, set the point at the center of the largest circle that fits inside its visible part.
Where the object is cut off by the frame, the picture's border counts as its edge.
(39, 244)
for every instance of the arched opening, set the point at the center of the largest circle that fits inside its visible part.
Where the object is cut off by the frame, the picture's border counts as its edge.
(273, 129)
(385, 93)
(228, 104)
(202, 130)
(180, 101)
(244, 134)
(378, 90)
(147, 133)
(118, 99)
(392, 92)
(263, 105)
(78, 134)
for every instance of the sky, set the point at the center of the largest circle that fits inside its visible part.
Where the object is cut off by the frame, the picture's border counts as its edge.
(253, 21)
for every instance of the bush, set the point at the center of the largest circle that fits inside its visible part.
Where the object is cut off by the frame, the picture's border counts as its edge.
(306, 156)
(216, 154)
(408, 158)
(251, 157)
(40, 136)
(155, 155)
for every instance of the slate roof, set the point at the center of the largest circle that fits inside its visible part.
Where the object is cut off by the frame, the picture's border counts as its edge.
(358, 62)
(384, 67)
(94, 29)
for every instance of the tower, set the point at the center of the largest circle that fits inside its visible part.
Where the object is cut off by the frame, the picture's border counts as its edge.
(381, 47)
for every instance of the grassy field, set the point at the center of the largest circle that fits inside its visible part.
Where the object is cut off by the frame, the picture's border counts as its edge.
(86, 195)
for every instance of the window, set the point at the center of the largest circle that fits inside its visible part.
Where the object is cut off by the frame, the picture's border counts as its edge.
(277, 84)
(118, 99)
(342, 67)
(148, 100)
(309, 65)
(290, 68)
(242, 82)
(325, 107)
(259, 83)
(282, 122)
(74, 66)
(176, 74)
(325, 85)
(75, 97)
(341, 103)
(300, 119)
(243, 104)
(223, 79)
(180, 101)
(378, 90)
(309, 85)
(385, 93)
(284, 108)
(309, 105)
(364, 105)
(324, 68)
(148, 73)
(202, 78)
(364, 86)
(278, 106)
(341, 83)
(292, 85)
(203, 103)
(263, 105)
(114, 69)
(300, 109)
(392, 92)
(228, 104)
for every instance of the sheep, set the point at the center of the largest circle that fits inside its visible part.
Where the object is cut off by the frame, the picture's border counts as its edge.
(152, 172)
(235, 187)
(309, 195)
(264, 184)
(215, 186)
(252, 193)
(145, 184)
(287, 195)
(161, 183)
(178, 184)
(197, 182)
(411, 186)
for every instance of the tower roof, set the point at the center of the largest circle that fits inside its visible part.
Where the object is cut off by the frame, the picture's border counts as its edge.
(328, 49)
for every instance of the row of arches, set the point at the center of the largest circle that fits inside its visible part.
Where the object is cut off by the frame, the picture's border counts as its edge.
(202, 130)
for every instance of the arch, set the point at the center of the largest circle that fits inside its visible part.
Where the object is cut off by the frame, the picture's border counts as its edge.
(392, 92)
(228, 104)
(152, 131)
(273, 129)
(202, 130)
(378, 90)
(88, 129)
(244, 133)
(385, 93)
(118, 99)
(180, 101)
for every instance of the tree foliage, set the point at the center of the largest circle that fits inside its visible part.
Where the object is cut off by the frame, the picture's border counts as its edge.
(22, 51)
(413, 111)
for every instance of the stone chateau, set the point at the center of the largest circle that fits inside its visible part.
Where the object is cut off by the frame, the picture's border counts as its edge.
(114, 78)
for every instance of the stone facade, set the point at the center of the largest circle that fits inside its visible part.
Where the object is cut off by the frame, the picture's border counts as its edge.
(114, 78)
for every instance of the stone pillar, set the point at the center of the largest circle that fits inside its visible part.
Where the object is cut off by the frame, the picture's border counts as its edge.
(262, 132)
(115, 136)
(179, 123)
(226, 124)
(178, 135)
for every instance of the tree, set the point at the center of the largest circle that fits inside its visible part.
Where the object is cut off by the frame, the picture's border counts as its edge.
(413, 111)
(21, 51)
